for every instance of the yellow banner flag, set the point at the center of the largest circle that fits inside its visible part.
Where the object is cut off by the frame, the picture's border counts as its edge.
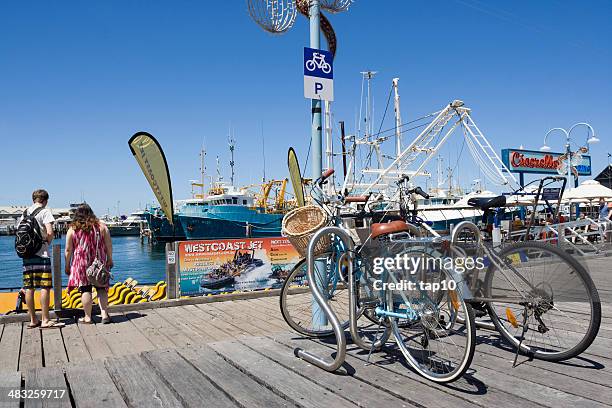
(152, 161)
(296, 177)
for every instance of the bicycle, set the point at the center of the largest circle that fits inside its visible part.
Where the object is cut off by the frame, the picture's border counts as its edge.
(519, 292)
(435, 332)
(539, 298)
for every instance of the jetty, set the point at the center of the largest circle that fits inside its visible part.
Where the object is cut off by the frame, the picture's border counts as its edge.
(236, 350)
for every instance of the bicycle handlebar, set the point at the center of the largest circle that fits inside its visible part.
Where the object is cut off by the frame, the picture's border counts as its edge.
(419, 191)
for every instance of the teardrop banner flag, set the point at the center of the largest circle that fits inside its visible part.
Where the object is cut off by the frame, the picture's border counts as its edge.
(152, 161)
(296, 177)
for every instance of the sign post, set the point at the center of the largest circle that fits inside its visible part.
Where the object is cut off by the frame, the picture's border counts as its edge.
(171, 271)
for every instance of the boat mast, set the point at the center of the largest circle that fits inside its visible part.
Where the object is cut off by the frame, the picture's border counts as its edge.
(398, 119)
(232, 145)
(329, 153)
(202, 167)
(219, 177)
(263, 152)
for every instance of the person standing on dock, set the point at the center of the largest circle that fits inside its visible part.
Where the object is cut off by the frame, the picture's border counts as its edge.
(37, 269)
(88, 239)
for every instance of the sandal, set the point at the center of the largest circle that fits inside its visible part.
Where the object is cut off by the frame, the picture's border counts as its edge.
(83, 321)
(34, 325)
(107, 320)
(52, 325)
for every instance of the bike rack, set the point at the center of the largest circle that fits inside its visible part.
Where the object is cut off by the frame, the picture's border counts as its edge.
(318, 295)
(329, 313)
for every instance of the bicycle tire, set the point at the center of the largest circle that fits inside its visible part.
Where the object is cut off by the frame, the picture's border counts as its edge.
(590, 289)
(468, 323)
(288, 307)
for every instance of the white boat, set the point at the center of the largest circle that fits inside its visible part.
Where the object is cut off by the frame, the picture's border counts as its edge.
(131, 226)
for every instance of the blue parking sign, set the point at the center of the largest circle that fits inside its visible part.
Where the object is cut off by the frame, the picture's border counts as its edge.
(318, 63)
(318, 74)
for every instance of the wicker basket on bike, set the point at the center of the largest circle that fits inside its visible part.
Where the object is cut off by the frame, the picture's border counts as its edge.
(299, 226)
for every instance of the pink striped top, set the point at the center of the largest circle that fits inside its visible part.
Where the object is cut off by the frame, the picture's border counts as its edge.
(83, 255)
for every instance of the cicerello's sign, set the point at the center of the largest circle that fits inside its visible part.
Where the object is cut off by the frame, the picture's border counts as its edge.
(533, 161)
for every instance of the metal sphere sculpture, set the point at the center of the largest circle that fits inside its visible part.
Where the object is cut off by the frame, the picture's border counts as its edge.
(274, 16)
(335, 6)
(278, 16)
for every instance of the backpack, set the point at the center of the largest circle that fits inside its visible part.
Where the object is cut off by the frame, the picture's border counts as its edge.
(28, 238)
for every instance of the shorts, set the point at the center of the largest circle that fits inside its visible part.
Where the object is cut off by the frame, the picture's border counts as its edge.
(37, 273)
(88, 288)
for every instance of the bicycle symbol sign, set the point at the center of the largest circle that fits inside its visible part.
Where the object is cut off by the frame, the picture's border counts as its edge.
(318, 74)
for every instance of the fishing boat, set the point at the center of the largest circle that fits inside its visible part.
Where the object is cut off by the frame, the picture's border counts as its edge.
(160, 227)
(228, 212)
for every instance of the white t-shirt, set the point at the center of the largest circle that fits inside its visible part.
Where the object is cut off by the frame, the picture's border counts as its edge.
(43, 217)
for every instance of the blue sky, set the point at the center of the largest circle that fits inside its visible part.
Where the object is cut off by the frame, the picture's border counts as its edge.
(77, 79)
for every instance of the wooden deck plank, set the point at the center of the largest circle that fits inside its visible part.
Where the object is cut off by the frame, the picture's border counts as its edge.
(561, 382)
(139, 384)
(122, 337)
(470, 390)
(341, 384)
(243, 389)
(10, 344)
(180, 335)
(190, 386)
(203, 321)
(31, 349)
(53, 348)
(48, 378)
(266, 324)
(235, 315)
(277, 378)
(154, 319)
(580, 368)
(9, 380)
(147, 324)
(501, 382)
(96, 344)
(213, 327)
(92, 386)
(182, 319)
(218, 320)
(75, 344)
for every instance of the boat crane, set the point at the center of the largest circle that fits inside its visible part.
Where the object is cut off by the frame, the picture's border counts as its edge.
(412, 159)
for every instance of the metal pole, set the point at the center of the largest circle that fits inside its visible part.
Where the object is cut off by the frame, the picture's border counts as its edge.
(57, 278)
(316, 136)
(318, 318)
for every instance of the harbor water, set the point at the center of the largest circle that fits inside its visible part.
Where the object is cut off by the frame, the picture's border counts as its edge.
(142, 261)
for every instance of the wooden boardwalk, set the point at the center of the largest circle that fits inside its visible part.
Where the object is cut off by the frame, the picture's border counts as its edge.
(240, 353)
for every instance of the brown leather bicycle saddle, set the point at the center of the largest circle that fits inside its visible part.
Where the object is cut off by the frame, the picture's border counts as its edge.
(378, 229)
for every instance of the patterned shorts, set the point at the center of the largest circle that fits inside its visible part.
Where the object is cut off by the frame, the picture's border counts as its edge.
(37, 273)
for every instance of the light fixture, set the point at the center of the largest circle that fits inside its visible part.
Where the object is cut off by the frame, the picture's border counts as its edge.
(593, 139)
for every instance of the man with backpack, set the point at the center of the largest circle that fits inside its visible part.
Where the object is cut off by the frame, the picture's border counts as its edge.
(32, 240)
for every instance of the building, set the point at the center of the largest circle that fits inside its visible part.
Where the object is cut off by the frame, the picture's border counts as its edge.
(605, 177)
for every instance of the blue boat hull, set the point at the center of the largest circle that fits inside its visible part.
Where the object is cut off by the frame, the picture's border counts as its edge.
(230, 222)
(162, 230)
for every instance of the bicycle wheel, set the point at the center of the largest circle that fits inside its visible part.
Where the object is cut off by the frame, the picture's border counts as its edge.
(296, 300)
(542, 299)
(438, 341)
